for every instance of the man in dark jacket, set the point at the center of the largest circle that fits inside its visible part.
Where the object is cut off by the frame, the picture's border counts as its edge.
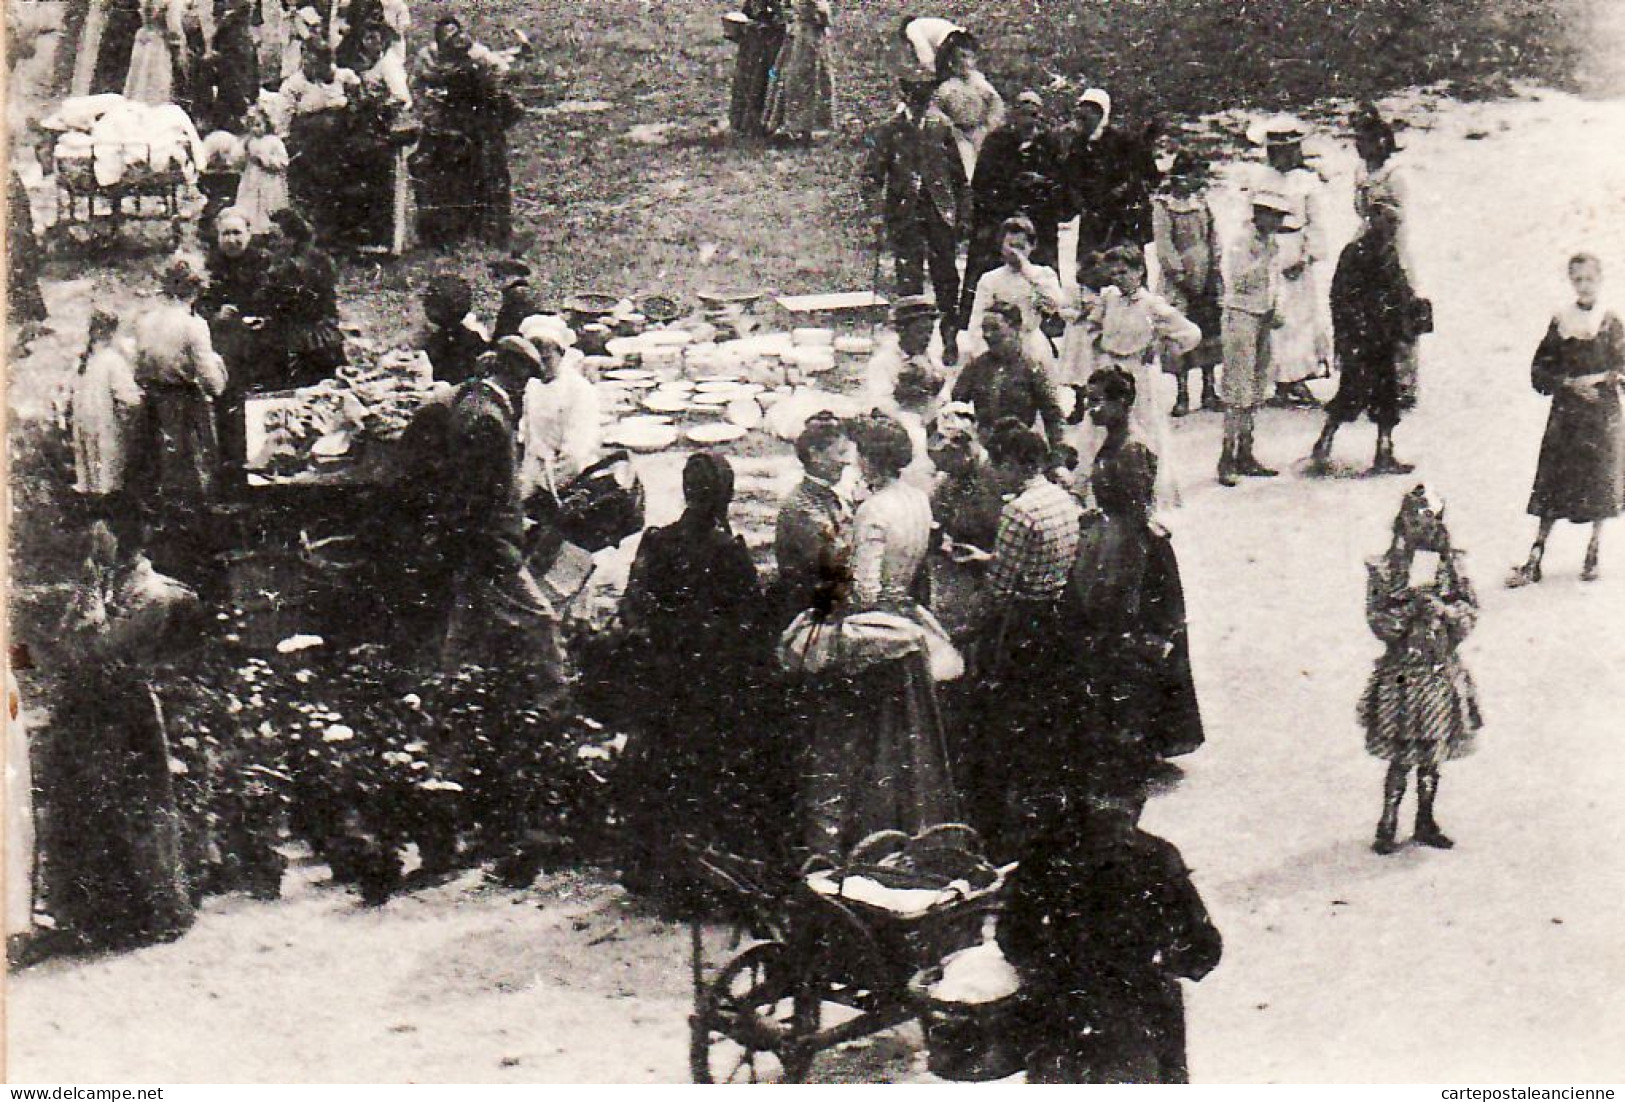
(499, 614)
(1016, 173)
(1102, 922)
(1376, 318)
(1002, 382)
(913, 166)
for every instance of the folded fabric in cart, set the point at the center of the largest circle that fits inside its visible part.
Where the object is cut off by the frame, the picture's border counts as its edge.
(899, 901)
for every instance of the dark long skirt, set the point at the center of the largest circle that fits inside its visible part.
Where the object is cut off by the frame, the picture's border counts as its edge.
(758, 48)
(113, 835)
(1133, 688)
(463, 187)
(1017, 737)
(1134, 1035)
(876, 756)
(1581, 477)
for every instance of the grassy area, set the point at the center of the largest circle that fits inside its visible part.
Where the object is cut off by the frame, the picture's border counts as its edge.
(611, 214)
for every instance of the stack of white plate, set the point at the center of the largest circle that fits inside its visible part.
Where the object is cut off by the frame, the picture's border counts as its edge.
(642, 434)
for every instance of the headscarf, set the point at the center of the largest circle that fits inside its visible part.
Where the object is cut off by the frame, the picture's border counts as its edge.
(1103, 100)
(550, 328)
(708, 490)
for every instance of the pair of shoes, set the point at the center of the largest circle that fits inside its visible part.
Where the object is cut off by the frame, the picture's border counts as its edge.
(1182, 408)
(1527, 574)
(1251, 467)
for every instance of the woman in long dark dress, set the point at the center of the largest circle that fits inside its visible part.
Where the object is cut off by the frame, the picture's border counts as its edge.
(461, 164)
(1022, 652)
(695, 767)
(759, 43)
(876, 757)
(1102, 921)
(1581, 477)
(304, 290)
(113, 835)
(1125, 600)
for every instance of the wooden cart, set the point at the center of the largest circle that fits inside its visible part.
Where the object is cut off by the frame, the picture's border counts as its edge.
(760, 1017)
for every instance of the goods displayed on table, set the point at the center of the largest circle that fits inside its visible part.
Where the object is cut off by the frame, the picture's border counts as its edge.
(327, 426)
(691, 383)
(107, 140)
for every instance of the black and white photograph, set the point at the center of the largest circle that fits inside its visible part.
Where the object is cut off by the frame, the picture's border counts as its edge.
(837, 542)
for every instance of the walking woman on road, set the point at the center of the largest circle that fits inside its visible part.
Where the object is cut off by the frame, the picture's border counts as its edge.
(1581, 476)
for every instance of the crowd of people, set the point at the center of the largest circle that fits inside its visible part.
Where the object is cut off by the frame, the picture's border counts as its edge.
(975, 613)
(321, 107)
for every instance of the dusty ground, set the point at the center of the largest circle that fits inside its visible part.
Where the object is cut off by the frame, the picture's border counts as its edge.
(1499, 961)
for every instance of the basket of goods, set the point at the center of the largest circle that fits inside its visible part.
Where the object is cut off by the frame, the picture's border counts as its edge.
(968, 1007)
(659, 309)
(587, 307)
(918, 900)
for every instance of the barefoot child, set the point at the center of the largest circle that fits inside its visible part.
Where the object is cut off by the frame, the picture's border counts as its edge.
(1581, 476)
(1419, 708)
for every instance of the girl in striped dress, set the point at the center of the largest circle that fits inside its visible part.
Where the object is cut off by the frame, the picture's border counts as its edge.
(1420, 708)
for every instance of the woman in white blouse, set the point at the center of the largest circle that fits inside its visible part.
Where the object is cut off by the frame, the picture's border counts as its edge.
(560, 432)
(876, 753)
(1032, 288)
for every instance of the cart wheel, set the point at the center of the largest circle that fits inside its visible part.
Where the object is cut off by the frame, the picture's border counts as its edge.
(754, 1023)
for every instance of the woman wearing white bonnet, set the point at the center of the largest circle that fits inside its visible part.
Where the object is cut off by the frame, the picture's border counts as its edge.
(560, 431)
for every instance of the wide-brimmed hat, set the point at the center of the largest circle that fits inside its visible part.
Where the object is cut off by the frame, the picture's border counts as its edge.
(912, 308)
(1278, 130)
(1269, 200)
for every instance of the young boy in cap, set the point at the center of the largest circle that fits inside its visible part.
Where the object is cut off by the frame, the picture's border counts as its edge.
(1251, 315)
(905, 371)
